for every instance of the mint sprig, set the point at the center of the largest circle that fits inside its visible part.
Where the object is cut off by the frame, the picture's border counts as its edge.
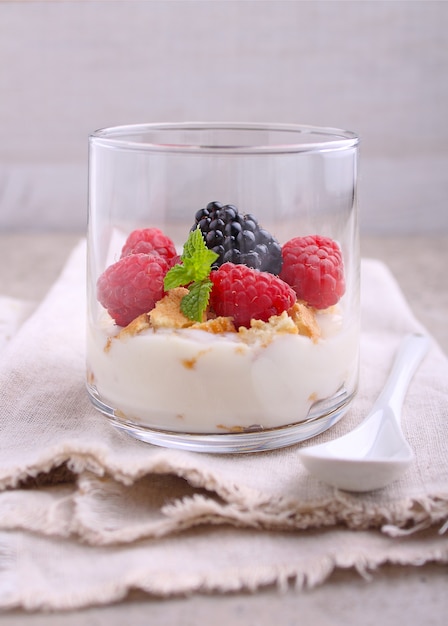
(194, 273)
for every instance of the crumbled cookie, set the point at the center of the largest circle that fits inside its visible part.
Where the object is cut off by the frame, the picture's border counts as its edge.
(137, 325)
(217, 325)
(167, 313)
(266, 331)
(231, 429)
(300, 319)
(305, 320)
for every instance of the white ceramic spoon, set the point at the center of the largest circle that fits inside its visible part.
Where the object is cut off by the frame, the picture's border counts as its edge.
(375, 453)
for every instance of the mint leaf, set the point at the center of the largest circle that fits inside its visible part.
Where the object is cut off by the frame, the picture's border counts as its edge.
(193, 271)
(194, 243)
(196, 257)
(175, 277)
(195, 302)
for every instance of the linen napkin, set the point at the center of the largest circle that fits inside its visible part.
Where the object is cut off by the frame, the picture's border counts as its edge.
(77, 494)
(13, 312)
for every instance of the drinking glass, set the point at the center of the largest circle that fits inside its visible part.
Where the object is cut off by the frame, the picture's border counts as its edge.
(220, 383)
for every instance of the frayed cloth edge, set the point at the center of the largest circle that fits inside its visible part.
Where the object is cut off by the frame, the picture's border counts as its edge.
(283, 577)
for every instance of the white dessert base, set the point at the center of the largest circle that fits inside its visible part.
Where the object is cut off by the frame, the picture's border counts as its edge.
(195, 390)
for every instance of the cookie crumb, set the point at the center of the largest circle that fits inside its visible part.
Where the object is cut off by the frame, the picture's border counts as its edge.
(305, 320)
(217, 325)
(167, 313)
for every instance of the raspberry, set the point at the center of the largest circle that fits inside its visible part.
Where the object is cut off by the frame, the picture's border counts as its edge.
(313, 267)
(238, 238)
(132, 286)
(244, 293)
(150, 241)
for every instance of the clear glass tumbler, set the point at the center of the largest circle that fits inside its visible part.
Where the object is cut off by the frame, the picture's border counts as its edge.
(223, 282)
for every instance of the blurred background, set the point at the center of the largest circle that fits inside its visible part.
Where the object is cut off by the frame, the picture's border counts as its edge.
(378, 68)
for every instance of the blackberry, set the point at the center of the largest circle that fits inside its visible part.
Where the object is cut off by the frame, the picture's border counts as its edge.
(238, 238)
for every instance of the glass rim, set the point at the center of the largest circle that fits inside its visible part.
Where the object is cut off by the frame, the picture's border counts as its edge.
(121, 137)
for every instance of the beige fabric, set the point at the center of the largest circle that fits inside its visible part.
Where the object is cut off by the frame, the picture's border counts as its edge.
(13, 313)
(87, 513)
(43, 573)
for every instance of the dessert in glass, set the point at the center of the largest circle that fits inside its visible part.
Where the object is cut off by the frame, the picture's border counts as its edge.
(223, 282)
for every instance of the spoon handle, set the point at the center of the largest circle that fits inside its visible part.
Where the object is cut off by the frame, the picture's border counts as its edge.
(409, 356)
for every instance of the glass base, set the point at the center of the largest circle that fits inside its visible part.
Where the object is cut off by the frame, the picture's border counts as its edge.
(261, 440)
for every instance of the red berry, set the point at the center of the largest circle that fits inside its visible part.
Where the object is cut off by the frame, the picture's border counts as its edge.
(150, 241)
(132, 286)
(245, 293)
(313, 267)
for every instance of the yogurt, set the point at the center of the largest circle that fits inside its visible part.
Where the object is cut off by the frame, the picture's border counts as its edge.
(189, 380)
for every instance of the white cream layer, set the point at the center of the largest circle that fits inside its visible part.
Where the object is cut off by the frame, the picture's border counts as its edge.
(194, 381)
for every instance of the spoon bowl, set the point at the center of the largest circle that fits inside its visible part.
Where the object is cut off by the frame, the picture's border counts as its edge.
(375, 453)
